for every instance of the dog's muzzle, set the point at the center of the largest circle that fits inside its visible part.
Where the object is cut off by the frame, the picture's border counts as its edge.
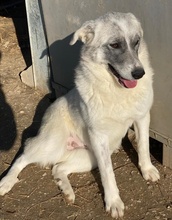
(124, 82)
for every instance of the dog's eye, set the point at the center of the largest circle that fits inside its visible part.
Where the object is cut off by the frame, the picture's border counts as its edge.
(136, 43)
(115, 45)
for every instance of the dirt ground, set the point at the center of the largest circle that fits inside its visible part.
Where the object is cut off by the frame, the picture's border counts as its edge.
(36, 196)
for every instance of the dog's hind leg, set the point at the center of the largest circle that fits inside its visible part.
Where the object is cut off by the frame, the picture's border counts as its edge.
(79, 160)
(34, 152)
(27, 157)
(10, 179)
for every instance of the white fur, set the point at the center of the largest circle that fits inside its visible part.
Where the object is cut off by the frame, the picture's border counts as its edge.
(98, 113)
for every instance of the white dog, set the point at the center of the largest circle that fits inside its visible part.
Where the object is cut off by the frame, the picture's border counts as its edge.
(82, 129)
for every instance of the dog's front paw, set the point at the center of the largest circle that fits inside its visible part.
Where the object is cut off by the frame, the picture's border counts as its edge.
(115, 206)
(7, 183)
(150, 173)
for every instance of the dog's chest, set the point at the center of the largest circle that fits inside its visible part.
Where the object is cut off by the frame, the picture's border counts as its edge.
(128, 107)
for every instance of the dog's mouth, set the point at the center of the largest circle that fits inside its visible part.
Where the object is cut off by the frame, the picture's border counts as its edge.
(124, 82)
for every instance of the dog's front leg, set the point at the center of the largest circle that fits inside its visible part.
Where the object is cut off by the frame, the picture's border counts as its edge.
(141, 127)
(100, 146)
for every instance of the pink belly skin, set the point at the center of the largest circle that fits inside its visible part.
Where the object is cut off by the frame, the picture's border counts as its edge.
(73, 142)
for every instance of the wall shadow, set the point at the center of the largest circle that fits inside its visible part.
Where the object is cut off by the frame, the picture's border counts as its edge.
(64, 58)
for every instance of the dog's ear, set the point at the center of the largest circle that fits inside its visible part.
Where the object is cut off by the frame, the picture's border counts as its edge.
(85, 33)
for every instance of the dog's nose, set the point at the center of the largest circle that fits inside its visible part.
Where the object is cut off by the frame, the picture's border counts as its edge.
(137, 73)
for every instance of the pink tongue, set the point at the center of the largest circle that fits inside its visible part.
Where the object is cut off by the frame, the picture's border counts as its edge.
(128, 83)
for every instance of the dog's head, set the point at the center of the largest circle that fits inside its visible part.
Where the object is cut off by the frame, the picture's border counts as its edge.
(114, 40)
